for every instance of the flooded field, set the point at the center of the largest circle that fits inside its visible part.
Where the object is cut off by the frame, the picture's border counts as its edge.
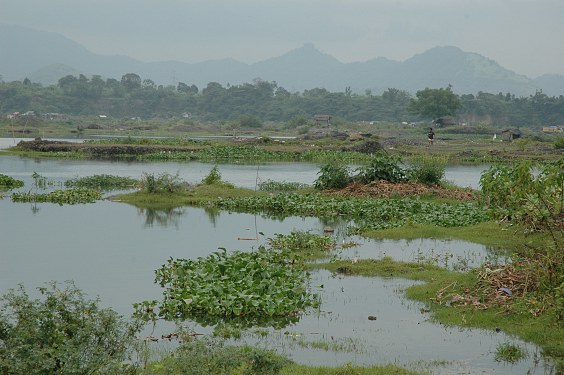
(111, 250)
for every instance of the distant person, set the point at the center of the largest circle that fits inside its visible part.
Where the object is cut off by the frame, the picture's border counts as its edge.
(431, 136)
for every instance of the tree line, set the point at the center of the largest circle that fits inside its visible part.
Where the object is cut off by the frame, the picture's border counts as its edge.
(133, 96)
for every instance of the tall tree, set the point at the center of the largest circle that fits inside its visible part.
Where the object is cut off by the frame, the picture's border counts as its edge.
(434, 103)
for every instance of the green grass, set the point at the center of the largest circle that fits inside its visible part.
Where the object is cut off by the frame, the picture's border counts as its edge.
(296, 369)
(487, 233)
(509, 353)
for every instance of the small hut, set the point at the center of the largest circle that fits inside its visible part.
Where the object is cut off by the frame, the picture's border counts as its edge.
(445, 120)
(509, 135)
(322, 118)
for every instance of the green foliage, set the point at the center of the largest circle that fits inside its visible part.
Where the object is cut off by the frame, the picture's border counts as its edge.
(136, 97)
(70, 196)
(511, 353)
(303, 244)
(248, 121)
(243, 286)
(515, 193)
(163, 183)
(382, 166)
(367, 213)
(434, 103)
(332, 176)
(275, 186)
(63, 333)
(429, 170)
(102, 182)
(559, 143)
(213, 177)
(10, 182)
(213, 357)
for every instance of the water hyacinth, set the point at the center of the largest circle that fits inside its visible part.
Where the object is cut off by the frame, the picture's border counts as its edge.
(240, 284)
(369, 213)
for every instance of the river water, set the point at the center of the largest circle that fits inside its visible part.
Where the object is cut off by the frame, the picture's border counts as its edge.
(111, 250)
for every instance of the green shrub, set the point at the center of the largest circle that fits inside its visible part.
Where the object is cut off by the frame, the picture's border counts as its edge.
(534, 200)
(381, 167)
(63, 333)
(332, 176)
(427, 169)
(559, 143)
(213, 177)
(164, 183)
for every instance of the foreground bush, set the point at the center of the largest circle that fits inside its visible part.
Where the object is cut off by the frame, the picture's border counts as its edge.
(382, 167)
(427, 170)
(63, 333)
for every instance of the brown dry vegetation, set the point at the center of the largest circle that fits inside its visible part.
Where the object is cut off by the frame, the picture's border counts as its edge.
(385, 189)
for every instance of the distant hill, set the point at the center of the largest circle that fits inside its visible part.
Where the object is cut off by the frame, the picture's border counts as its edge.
(44, 57)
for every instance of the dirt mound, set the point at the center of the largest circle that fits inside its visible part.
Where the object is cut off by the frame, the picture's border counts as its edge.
(388, 189)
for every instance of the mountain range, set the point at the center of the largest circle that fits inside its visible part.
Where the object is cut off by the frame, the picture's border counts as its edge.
(44, 57)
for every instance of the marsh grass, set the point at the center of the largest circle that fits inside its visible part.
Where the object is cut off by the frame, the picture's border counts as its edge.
(510, 353)
(348, 369)
(102, 182)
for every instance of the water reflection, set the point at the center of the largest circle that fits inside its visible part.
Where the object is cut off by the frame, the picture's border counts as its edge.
(162, 217)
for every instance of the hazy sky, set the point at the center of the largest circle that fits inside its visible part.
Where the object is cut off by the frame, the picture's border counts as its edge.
(526, 36)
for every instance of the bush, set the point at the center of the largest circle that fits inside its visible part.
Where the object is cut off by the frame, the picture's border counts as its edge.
(332, 176)
(427, 169)
(213, 177)
(559, 143)
(164, 183)
(381, 167)
(62, 334)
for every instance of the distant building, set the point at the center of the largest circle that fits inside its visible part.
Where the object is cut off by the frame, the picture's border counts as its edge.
(445, 120)
(322, 118)
(509, 135)
(553, 129)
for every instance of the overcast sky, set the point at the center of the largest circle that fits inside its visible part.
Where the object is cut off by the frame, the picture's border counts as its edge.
(526, 36)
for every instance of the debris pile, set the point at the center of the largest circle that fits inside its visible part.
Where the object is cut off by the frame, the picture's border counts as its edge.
(388, 189)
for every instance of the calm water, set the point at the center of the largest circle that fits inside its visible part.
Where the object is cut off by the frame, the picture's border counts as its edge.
(111, 250)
